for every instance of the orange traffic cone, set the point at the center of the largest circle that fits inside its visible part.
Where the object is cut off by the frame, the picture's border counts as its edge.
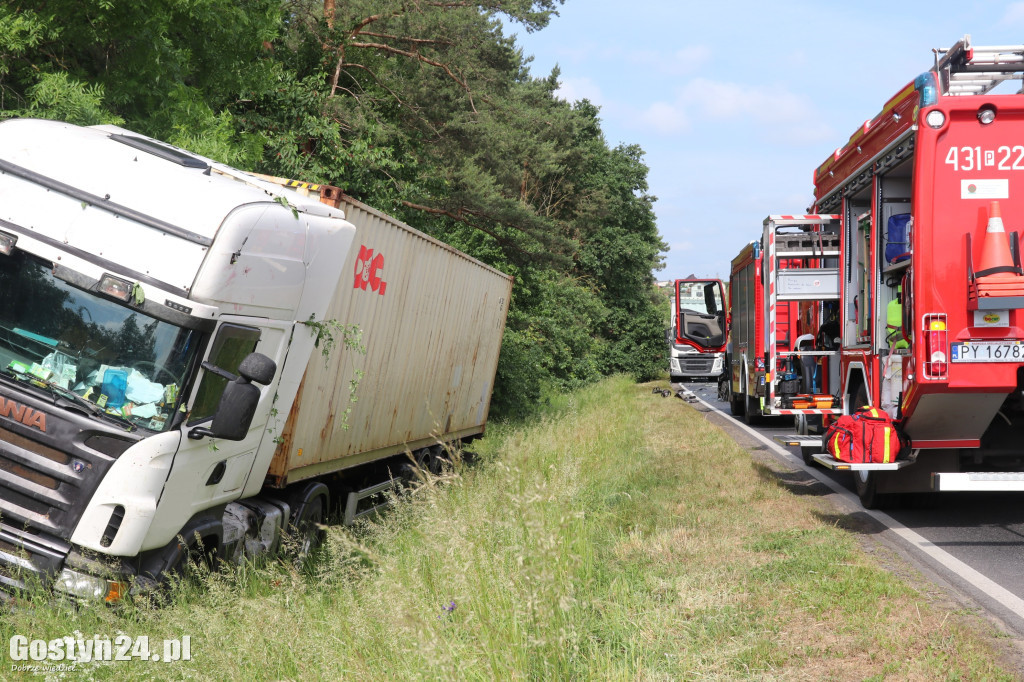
(996, 274)
(995, 250)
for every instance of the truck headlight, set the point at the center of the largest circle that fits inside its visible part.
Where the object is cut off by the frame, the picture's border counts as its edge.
(89, 586)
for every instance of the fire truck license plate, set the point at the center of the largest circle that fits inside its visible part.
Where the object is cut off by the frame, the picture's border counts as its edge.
(988, 351)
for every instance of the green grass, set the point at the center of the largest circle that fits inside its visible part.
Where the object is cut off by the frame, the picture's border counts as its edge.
(619, 537)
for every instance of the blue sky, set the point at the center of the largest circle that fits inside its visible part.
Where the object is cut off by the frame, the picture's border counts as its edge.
(736, 103)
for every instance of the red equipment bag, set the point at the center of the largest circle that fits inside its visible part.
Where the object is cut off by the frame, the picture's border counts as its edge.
(867, 437)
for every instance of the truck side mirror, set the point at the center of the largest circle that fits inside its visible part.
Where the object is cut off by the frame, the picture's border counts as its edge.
(709, 299)
(238, 402)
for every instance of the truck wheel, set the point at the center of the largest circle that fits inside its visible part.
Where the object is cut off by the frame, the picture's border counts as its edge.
(866, 483)
(437, 461)
(807, 452)
(309, 512)
(752, 412)
(736, 402)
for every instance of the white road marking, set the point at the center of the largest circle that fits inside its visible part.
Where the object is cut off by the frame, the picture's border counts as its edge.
(977, 580)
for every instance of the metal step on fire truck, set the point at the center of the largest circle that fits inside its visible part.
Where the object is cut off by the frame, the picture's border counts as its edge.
(928, 199)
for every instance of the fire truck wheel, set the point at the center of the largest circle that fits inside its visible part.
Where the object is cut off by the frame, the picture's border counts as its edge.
(801, 422)
(752, 413)
(808, 452)
(736, 402)
(866, 483)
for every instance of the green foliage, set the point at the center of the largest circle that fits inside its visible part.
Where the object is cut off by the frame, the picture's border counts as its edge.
(426, 111)
(57, 96)
(327, 333)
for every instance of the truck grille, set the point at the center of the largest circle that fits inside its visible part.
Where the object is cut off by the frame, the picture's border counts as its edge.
(46, 480)
(37, 484)
(696, 365)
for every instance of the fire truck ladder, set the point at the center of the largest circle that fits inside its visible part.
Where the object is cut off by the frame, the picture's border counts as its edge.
(965, 69)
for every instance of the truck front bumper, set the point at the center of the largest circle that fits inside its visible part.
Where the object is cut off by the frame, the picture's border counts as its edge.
(708, 365)
(27, 558)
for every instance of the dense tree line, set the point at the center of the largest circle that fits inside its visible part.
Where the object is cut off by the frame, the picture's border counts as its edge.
(423, 109)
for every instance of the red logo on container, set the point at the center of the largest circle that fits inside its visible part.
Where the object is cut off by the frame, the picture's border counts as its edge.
(367, 267)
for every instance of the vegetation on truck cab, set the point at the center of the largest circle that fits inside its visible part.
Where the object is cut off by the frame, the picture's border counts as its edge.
(425, 111)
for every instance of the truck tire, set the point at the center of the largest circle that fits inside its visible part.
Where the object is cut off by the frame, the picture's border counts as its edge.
(866, 482)
(437, 460)
(737, 403)
(308, 504)
(752, 411)
(807, 452)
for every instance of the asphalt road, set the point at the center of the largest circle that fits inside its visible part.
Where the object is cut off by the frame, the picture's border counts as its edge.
(971, 543)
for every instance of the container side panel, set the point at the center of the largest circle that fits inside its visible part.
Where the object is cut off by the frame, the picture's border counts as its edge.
(431, 320)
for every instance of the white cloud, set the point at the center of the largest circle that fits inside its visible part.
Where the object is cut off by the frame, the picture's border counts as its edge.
(688, 59)
(778, 114)
(731, 100)
(575, 89)
(1014, 13)
(684, 61)
(665, 118)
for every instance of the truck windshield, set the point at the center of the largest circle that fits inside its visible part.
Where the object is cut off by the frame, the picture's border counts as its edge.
(703, 298)
(57, 337)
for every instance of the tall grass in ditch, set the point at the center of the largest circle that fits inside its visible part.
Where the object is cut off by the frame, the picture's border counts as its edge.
(621, 537)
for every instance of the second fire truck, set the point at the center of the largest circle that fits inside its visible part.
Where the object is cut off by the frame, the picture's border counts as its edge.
(929, 201)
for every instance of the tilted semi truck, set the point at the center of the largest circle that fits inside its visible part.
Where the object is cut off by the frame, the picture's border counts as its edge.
(173, 373)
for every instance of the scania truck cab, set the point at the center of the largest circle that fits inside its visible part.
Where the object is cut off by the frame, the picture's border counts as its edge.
(124, 265)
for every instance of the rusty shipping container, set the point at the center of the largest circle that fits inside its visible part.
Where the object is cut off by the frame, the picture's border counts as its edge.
(431, 319)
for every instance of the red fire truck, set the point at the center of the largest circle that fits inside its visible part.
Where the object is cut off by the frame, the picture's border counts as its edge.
(930, 200)
(699, 327)
(782, 355)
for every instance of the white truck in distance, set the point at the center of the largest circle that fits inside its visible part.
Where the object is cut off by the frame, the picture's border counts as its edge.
(163, 382)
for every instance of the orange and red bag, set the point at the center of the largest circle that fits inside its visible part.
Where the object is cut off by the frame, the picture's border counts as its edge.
(868, 436)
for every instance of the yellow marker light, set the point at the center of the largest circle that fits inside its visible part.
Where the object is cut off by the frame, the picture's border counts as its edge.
(115, 591)
(937, 326)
